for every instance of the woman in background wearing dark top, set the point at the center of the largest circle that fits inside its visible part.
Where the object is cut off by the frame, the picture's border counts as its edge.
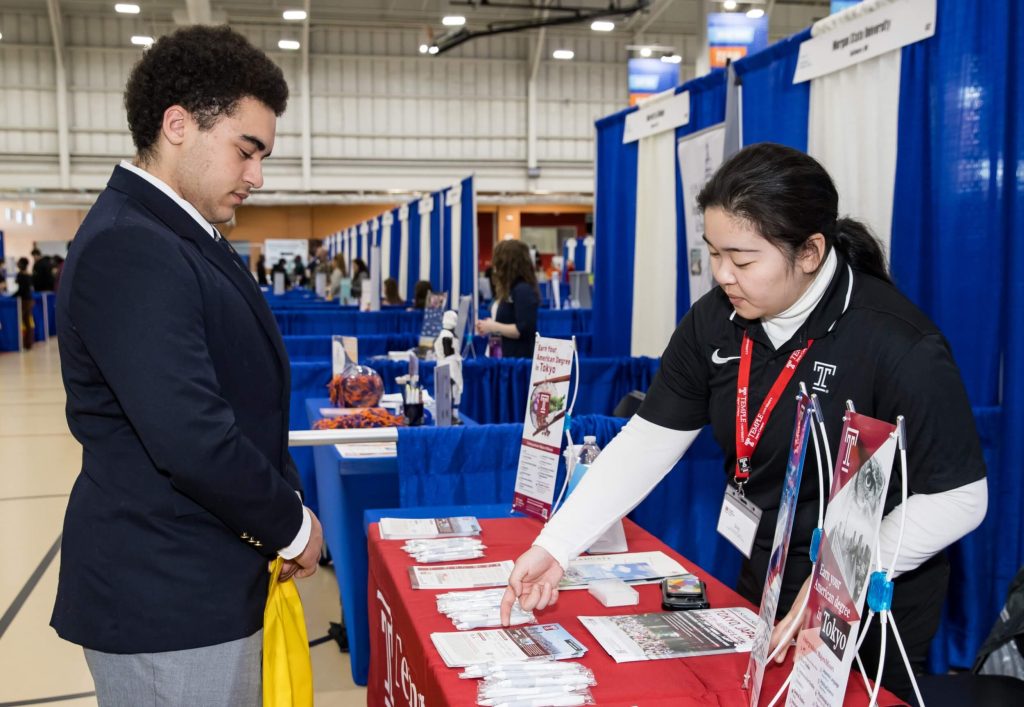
(261, 270)
(391, 295)
(515, 290)
(359, 273)
(419, 294)
(24, 293)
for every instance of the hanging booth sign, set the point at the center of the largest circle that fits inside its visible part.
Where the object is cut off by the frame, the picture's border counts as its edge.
(546, 407)
(871, 29)
(656, 115)
(827, 640)
(648, 77)
(733, 35)
(700, 156)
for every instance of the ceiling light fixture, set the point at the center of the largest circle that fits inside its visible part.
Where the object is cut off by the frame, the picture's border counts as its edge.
(645, 52)
(288, 44)
(294, 15)
(126, 8)
(423, 48)
(602, 26)
(755, 14)
(433, 49)
(563, 54)
(141, 40)
(729, 5)
(453, 21)
(672, 59)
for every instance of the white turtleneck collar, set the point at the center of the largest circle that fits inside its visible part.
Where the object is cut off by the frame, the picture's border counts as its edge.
(782, 326)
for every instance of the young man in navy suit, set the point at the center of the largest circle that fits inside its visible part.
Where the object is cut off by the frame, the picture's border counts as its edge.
(177, 388)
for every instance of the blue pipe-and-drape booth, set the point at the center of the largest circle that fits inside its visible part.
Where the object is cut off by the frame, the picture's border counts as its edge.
(925, 144)
(459, 243)
(579, 253)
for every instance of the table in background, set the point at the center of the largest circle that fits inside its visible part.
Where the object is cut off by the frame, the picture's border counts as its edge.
(407, 670)
(345, 489)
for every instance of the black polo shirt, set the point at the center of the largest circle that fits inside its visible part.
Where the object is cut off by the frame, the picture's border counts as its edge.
(871, 346)
(520, 308)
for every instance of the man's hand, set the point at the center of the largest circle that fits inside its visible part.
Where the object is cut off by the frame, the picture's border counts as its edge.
(790, 624)
(305, 564)
(534, 582)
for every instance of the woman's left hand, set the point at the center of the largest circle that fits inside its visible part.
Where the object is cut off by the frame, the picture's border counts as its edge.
(483, 326)
(786, 629)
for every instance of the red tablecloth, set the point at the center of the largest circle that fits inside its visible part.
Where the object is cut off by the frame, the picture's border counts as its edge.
(405, 669)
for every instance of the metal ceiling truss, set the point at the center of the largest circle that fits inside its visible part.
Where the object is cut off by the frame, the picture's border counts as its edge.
(557, 14)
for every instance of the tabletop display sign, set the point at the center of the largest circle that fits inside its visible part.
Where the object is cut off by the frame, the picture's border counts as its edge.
(320, 281)
(780, 548)
(279, 283)
(442, 396)
(370, 294)
(344, 353)
(542, 431)
(827, 640)
(433, 318)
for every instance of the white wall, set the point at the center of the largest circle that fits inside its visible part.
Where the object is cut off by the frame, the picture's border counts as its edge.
(383, 116)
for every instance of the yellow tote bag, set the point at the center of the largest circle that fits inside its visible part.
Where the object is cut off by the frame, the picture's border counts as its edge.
(287, 671)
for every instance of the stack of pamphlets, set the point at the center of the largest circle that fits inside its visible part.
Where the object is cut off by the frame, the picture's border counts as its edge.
(486, 574)
(507, 644)
(676, 634)
(416, 528)
(480, 609)
(631, 567)
(444, 549)
(532, 682)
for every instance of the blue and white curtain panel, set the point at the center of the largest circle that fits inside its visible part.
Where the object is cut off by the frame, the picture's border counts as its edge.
(923, 132)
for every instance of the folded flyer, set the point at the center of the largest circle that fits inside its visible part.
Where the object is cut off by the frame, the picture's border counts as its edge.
(477, 576)
(463, 648)
(632, 567)
(415, 528)
(675, 634)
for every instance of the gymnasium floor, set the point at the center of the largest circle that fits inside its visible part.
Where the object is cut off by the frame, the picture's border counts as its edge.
(39, 460)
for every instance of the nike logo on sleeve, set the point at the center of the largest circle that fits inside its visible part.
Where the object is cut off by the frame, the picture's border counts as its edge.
(715, 358)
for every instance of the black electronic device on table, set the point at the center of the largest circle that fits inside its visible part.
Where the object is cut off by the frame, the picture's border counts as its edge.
(682, 592)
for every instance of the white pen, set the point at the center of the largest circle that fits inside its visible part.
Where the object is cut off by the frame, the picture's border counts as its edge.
(563, 701)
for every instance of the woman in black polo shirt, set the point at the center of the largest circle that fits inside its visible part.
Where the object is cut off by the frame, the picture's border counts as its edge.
(518, 298)
(796, 284)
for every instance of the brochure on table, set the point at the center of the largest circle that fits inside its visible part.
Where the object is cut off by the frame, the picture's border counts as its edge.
(827, 641)
(477, 576)
(442, 395)
(674, 634)
(541, 445)
(780, 548)
(369, 297)
(433, 318)
(463, 648)
(410, 528)
(632, 567)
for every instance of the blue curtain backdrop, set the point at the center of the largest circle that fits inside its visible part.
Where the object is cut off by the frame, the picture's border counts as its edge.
(615, 215)
(957, 252)
(615, 229)
(774, 108)
(437, 252)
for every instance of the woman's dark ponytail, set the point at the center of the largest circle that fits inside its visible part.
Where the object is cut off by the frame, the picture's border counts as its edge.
(862, 251)
(788, 197)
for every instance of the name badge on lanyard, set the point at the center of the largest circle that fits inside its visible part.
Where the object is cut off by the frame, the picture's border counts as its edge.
(739, 518)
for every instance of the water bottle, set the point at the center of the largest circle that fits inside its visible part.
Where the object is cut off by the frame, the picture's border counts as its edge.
(588, 453)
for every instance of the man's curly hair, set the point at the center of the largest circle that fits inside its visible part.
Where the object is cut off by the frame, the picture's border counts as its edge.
(207, 71)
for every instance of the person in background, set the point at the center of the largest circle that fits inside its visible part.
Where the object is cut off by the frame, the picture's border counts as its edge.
(261, 270)
(174, 374)
(420, 292)
(299, 274)
(281, 267)
(58, 269)
(518, 298)
(42, 272)
(338, 273)
(391, 295)
(24, 293)
(359, 273)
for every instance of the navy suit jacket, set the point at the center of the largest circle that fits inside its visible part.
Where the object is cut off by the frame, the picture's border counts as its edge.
(177, 388)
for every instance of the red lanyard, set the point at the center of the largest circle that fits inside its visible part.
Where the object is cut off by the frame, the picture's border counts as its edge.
(746, 440)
